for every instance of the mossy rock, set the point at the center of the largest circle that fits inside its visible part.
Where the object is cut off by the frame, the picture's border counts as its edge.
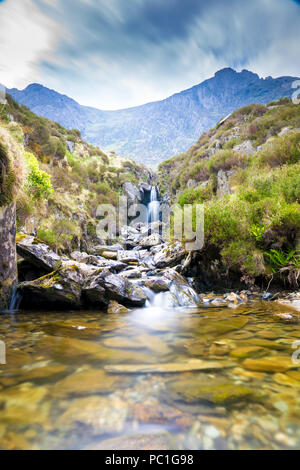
(215, 392)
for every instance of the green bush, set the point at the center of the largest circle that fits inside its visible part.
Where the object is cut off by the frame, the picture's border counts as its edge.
(38, 183)
(283, 150)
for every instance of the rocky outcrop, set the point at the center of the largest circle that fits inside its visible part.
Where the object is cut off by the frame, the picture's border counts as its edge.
(223, 182)
(8, 261)
(133, 193)
(9, 182)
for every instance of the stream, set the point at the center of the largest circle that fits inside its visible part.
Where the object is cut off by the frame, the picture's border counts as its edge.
(154, 378)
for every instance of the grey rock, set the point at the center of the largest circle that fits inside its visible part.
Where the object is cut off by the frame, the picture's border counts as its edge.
(70, 146)
(170, 255)
(133, 194)
(38, 254)
(58, 290)
(107, 286)
(245, 148)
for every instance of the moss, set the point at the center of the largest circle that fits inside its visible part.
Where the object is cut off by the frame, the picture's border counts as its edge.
(20, 237)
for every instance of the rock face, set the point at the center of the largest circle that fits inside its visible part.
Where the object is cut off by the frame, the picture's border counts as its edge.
(8, 262)
(223, 182)
(133, 193)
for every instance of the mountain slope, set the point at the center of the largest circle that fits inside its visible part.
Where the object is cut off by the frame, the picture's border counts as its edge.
(158, 130)
(64, 178)
(246, 173)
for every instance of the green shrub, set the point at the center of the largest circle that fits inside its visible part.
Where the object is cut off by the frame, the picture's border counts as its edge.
(283, 150)
(38, 183)
(195, 195)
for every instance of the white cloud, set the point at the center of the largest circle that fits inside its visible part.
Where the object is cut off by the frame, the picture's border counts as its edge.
(27, 37)
(113, 54)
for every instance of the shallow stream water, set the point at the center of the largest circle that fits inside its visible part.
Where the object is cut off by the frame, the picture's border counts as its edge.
(155, 378)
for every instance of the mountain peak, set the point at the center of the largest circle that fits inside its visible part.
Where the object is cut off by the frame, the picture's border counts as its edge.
(226, 71)
(137, 132)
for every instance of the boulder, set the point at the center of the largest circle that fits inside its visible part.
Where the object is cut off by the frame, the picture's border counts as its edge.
(157, 284)
(170, 255)
(82, 257)
(181, 290)
(107, 286)
(59, 289)
(38, 254)
(152, 240)
(110, 254)
(131, 256)
(98, 249)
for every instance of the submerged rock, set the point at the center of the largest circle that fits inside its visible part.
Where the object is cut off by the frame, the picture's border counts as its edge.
(87, 382)
(218, 393)
(169, 368)
(270, 364)
(161, 440)
(103, 415)
(115, 307)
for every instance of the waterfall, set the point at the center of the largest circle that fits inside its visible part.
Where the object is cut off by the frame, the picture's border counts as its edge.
(153, 206)
(15, 300)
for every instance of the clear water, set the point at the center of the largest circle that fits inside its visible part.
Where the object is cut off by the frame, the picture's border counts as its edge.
(80, 380)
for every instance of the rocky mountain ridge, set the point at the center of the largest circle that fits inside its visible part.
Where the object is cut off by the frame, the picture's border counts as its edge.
(155, 131)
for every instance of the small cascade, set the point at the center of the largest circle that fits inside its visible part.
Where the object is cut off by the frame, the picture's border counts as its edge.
(180, 294)
(15, 300)
(153, 206)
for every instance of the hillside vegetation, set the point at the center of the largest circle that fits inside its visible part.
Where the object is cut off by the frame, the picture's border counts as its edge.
(63, 177)
(246, 171)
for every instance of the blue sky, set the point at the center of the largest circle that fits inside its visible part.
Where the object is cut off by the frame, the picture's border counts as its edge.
(119, 53)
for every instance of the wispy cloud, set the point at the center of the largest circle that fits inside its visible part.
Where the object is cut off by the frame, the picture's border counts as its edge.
(112, 53)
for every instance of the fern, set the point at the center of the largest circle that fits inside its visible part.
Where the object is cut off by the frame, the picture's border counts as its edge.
(278, 259)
